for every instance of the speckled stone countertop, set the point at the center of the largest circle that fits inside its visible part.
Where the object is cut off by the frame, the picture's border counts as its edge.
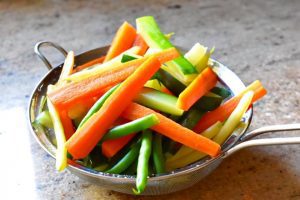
(257, 39)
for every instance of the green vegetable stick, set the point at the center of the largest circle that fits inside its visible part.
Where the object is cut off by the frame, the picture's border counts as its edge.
(143, 161)
(158, 157)
(132, 127)
(127, 160)
(97, 105)
(150, 31)
(158, 100)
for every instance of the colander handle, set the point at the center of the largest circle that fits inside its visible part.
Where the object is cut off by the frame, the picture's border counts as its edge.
(49, 44)
(247, 142)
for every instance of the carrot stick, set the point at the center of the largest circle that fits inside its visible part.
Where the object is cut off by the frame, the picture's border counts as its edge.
(139, 41)
(224, 111)
(86, 137)
(198, 88)
(88, 64)
(68, 95)
(122, 41)
(113, 146)
(173, 130)
(67, 124)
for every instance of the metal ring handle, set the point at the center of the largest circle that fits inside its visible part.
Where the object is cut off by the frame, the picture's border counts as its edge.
(51, 44)
(246, 142)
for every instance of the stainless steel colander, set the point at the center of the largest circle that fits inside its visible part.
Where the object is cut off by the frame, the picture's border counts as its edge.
(165, 183)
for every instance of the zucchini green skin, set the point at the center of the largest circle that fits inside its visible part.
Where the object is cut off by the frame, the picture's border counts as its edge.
(153, 36)
(191, 118)
(126, 58)
(175, 86)
(224, 93)
(206, 103)
(159, 101)
(131, 127)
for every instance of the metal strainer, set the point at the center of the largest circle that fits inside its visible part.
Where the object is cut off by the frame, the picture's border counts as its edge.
(165, 183)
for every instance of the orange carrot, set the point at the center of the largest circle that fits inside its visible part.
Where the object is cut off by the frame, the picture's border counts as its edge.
(88, 64)
(175, 131)
(224, 111)
(86, 137)
(140, 42)
(122, 41)
(112, 147)
(66, 96)
(198, 88)
(67, 124)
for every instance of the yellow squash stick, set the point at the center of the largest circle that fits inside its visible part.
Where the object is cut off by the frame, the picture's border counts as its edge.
(235, 118)
(61, 151)
(224, 132)
(67, 67)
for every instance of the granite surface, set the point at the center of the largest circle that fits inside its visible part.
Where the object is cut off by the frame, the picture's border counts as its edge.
(257, 39)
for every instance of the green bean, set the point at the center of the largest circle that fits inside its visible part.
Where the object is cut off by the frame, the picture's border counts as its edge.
(97, 105)
(127, 160)
(143, 161)
(132, 127)
(131, 170)
(158, 157)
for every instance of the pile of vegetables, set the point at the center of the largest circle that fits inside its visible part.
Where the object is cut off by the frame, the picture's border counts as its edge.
(144, 108)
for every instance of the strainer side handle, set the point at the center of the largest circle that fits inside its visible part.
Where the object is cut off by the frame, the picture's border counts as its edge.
(49, 44)
(247, 142)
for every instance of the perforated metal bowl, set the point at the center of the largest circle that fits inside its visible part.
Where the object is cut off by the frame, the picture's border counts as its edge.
(165, 183)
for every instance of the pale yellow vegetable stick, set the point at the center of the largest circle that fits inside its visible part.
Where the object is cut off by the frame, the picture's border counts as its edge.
(67, 67)
(61, 150)
(102, 67)
(184, 150)
(196, 155)
(235, 118)
(195, 54)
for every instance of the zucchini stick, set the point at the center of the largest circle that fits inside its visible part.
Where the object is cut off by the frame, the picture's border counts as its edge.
(235, 118)
(61, 151)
